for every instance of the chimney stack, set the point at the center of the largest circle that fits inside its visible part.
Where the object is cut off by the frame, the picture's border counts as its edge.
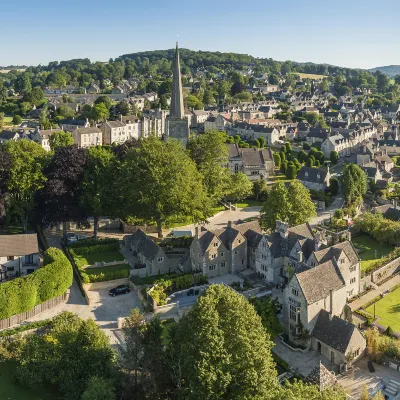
(300, 253)
(196, 231)
(229, 224)
(331, 304)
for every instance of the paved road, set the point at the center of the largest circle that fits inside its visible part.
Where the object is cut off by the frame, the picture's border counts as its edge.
(328, 212)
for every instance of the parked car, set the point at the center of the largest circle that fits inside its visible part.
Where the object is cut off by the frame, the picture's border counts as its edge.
(71, 238)
(121, 289)
(371, 366)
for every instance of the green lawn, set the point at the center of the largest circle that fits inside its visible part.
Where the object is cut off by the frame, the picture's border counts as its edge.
(119, 267)
(8, 120)
(249, 203)
(278, 178)
(388, 310)
(166, 324)
(373, 250)
(90, 259)
(9, 390)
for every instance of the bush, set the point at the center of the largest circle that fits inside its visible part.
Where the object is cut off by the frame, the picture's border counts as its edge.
(23, 328)
(100, 248)
(306, 146)
(52, 280)
(92, 242)
(106, 276)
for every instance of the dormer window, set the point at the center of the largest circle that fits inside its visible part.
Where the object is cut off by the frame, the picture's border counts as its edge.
(216, 244)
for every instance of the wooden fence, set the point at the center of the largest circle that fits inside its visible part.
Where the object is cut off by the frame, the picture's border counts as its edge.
(18, 318)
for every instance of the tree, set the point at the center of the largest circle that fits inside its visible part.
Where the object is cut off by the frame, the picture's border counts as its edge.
(17, 120)
(161, 181)
(310, 162)
(261, 139)
(100, 112)
(99, 187)
(303, 391)
(334, 186)
(5, 175)
(27, 161)
(68, 355)
(23, 83)
(104, 100)
(291, 171)
(240, 187)
(334, 157)
(65, 111)
(260, 189)
(210, 153)
(122, 108)
(276, 207)
(302, 208)
(302, 156)
(354, 183)
(306, 146)
(379, 396)
(99, 389)
(193, 102)
(60, 139)
(277, 160)
(60, 197)
(222, 351)
(268, 309)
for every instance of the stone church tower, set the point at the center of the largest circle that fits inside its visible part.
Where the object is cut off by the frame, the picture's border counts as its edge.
(177, 126)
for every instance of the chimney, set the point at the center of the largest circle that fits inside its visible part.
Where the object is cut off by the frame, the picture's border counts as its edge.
(331, 304)
(196, 231)
(229, 224)
(120, 117)
(300, 253)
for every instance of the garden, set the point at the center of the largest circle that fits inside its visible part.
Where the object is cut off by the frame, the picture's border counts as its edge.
(387, 310)
(371, 251)
(88, 252)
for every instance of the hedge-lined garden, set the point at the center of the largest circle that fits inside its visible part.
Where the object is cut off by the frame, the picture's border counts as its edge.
(52, 280)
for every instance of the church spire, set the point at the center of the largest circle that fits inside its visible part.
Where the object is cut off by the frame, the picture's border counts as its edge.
(177, 110)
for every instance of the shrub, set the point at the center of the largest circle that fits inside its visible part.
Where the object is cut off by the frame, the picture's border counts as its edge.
(306, 146)
(100, 248)
(52, 280)
(92, 242)
(106, 276)
(23, 328)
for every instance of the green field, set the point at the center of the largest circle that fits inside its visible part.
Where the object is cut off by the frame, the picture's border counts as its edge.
(111, 268)
(373, 250)
(278, 178)
(388, 310)
(248, 203)
(9, 390)
(90, 259)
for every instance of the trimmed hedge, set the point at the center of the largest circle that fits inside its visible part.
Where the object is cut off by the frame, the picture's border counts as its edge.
(92, 242)
(105, 276)
(52, 280)
(99, 248)
(23, 328)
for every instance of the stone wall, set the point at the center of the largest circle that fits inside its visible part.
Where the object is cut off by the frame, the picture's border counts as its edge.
(106, 284)
(126, 228)
(386, 270)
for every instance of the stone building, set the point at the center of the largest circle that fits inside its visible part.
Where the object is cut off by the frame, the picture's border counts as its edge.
(314, 178)
(177, 126)
(87, 137)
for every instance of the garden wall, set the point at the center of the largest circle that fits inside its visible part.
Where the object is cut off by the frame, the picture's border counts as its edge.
(18, 318)
(126, 228)
(365, 282)
(386, 270)
(106, 284)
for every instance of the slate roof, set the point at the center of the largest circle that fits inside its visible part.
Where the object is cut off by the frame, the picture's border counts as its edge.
(115, 124)
(205, 240)
(336, 333)
(85, 131)
(315, 175)
(388, 212)
(144, 245)
(18, 245)
(334, 252)
(78, 122)
(7, 135)
(251, 157)
(317, 282)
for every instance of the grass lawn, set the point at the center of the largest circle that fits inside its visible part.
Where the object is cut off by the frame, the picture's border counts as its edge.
(388, 310)
(9, 390)
(278, 178)
(373, 250)
(90, 259)
(119, 267)
(8, 120)
(249, 203)
(166, 324)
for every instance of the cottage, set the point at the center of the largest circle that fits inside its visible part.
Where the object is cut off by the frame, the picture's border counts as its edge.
(314, 178)
(19, 255)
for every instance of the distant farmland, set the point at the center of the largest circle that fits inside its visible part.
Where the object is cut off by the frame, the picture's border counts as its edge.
(6, 71)
(311, 76)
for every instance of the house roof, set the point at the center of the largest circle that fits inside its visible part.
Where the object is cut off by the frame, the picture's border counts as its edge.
(144, 244)
(251, 157)
(85, 131)
(77, 122)
(317, 282)
(388, 212)
(334, 252)
(7, 135)
(205, 240)
(335, 332)
(115, 124)
(18, 245)
(315, 175)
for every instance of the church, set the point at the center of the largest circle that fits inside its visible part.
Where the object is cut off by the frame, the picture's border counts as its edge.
(177, 126)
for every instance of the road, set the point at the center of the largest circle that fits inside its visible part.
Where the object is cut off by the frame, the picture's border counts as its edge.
(323, 215)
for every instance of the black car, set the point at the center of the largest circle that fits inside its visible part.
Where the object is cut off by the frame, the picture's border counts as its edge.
(371, 366)
(121, 289)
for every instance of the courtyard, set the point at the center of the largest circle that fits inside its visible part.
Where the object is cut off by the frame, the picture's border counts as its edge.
(92, 258)
(387, 310)
(371, 251)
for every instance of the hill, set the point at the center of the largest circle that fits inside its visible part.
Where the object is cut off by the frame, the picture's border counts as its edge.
(390, 70)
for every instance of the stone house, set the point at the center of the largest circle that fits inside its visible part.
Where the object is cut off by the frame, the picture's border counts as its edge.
(217, 123)
(314, 178)
(253, 131)
(336, 143)
(126, 128)
(93, 88)
(198, 119)
(254, 163)
(317, 135)
(88, 137)
(70, 125)
(19, 255)
(42, 137)
(147, 254)
(8, 135)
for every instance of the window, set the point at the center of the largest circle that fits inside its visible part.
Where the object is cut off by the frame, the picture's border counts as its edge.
(213, 256)
(342, 261)
(235, 251)
(222, 253)
(293, 312)
(236, 168)
(263, 267)
(239, 241)
(295, 292)
(160, 259)
(255, 172)
(357, 352)
(10, 258)
(216, 244)
(10, 269)
(29, 259)
(352, 280)
(242, 262)
(223, 265)
(353, 268)
(212, 267)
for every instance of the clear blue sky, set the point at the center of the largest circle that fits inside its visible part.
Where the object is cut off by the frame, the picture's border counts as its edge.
(353, 33)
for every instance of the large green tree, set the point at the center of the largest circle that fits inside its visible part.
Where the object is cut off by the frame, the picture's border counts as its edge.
(302, 208)
(161, 181)
(27, 161)
(240, 187)
(354, 183)
(60, 139)
(222, 351)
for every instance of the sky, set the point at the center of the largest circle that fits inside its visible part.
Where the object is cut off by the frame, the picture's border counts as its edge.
(351, 33)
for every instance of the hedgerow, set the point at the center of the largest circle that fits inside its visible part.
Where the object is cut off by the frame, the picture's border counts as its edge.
(24, 293)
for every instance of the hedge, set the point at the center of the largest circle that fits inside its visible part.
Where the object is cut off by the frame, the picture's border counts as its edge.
(105, 276)
(100, 248)
(23, 328)
(24, 293)
(92, 242)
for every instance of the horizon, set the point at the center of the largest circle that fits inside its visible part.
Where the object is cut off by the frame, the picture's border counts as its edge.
(339, 34)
